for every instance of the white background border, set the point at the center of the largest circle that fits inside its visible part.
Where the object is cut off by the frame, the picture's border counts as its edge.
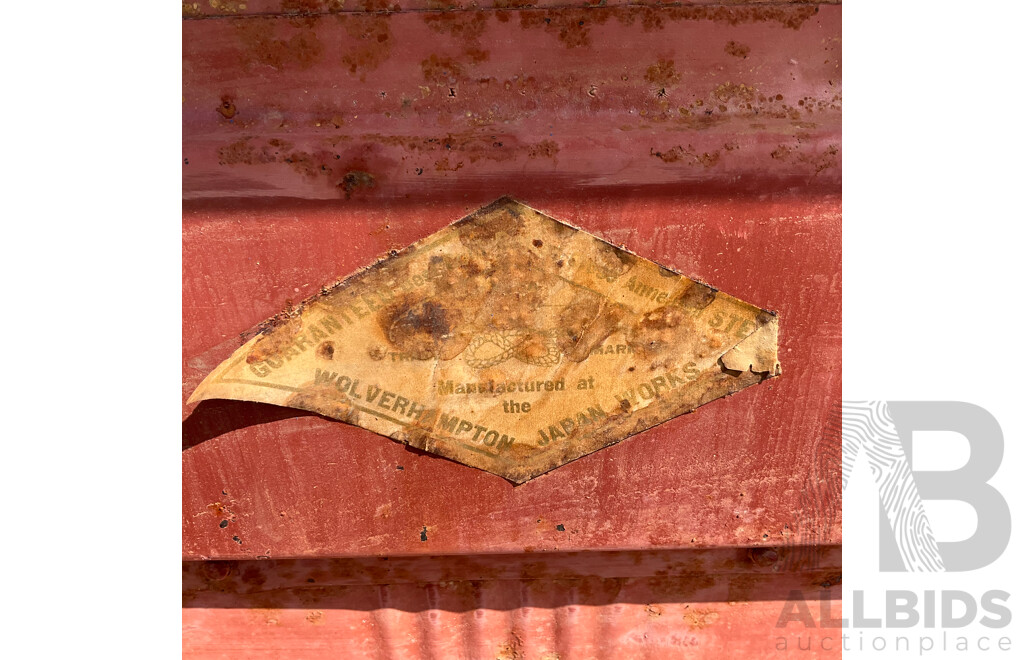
(92, 263)
(932, 253)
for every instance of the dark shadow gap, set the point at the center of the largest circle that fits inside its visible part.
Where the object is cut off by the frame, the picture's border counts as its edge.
(510, 581)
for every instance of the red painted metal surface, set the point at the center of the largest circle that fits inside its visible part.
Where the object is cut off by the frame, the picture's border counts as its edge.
(703, 137)
(420, 105)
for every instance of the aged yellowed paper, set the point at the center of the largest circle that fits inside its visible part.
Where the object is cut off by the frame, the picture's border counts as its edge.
(508, 341)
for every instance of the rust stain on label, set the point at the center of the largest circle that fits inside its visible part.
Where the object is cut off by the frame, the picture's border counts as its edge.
(508, 341)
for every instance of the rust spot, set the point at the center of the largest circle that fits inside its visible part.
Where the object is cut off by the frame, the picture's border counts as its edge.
(570, 26)
(355, 181)
(512, 649)
(311, 7)
(543, 149)
(227, 6)
(737, 49)
(701, 617)
(259, 38)
(326, 350)
(441, 70)
(377, 353)
(818, 161)
(467, 146)
(243, 152)
(653, 18)
(466, 27)
(310, 165)
(370, 43)
(220, 510)
(663, 73)
(738, 92)
(688, 155)
(444, 166)
(538, 243)
(320, 164)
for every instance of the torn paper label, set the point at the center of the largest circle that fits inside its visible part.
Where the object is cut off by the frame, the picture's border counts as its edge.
(508, 341)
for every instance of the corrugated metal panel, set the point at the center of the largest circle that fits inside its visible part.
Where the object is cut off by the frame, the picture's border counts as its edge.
(427, 105)
(296, 485)
(564, 605)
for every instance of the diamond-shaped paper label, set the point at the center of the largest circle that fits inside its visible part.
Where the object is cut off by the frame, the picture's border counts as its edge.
(508, 341)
